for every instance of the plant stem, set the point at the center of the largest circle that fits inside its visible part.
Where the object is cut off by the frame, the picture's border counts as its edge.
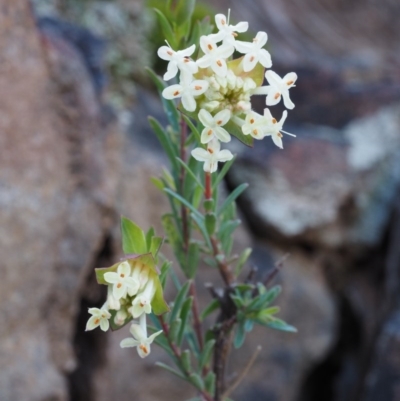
(195, 309)
(177, 352)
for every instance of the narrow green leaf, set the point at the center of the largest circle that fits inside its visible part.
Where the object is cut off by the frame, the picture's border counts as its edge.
(193, 256)
(174, 329)
(185, 11)
(206, 354)
(211, 307)
(133, 238)
(232, 197)
(244, 256)
(186, 360)
(248, 325)
(165, 142)
(185, 202)
(210, 222)
(200, 224)
(197, 381)
(149, 235)
(192, 127)
(190, 172)
(164, 272)
(197, 197)
(166, 28)
(240, 335)
(223, 172)
(185, 312)
(172, 370)
(209, 382)
(155, 245)
(180, 298)
(157, 183)
(279, 324)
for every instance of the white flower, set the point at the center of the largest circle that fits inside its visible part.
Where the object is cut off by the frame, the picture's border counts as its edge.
(140, 339)
(254, 52)
(213, 126)
(227, 33)
(120, 317)
(212, 155)
(254, 125)
(122, 282)
(187, 91)
(142, 302)
(274, 127)
(278, 87)
(112, 302)
(214, 56)
(178, 60)
(99, 318)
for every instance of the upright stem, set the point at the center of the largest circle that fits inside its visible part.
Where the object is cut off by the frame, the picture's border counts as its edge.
(196, 317)
(208, 188)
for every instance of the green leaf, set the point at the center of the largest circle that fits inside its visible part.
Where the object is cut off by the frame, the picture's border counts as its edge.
(209, 382)
(133, 238)
(149, 235)
(197, 381)
(185, 312)
(240, 335)
(166, 28)
(174, 329)
(165, 142)
(273, 294)
(155, 245)
(174, 238)
(157, 183)
(232, 197)
(180, 298)
(211, 307)
(164, 272)
(200, 223)
(248, 325)
(190, 172)
(197, 197)
(206, 354)
(244, 256)
(210, 222)
(172, 370)
(186, 360)
(185, 202)
(193, 256)
(223, 172)
(280, 325)
(192, 127)
(185, 11)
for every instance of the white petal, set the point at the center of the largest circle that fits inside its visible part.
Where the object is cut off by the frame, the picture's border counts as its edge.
(287, 101)
(222, 117)
(249, 62)
(222, 134)
(273, 97)
(153, 336)
(92, 323)
(219, 67)
(165, 52)
(215, 146)
(241, 27)
(225, 51)
(243, 47)
(137, 332)
(200, 154)
(207, 45)
(225, 155)
(111, 277)
(220, 20)
(95, 311)
(290, 79)
(124, 268)
(283, 119)
(261, 39)
(205, 61)
(198, 87)
(136, 311)
(206, 135)
(187, 52)
(277, 141)
(143, 350)
(119, 291)
(104, 324)
(210, 166)
(172, 70)
(206, 118)
(133, 285)
(264, 58)
(273, 78)
(267, 114)
(188, 102)
(246, 129)
(172, 92)
(128, 342)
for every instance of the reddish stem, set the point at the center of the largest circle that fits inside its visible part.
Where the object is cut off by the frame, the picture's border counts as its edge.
(208, 189)
(184, 216)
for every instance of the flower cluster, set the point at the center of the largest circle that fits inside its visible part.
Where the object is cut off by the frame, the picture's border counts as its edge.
(216, 89)
(132, 287)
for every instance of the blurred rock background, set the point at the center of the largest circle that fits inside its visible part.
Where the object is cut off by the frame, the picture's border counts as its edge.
(76, 152)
